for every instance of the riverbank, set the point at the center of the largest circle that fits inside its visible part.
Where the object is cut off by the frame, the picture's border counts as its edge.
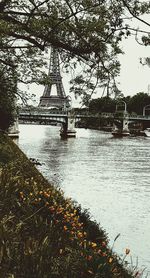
(42, 233)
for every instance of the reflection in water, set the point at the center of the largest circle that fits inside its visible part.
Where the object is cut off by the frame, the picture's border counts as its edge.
(108, 176)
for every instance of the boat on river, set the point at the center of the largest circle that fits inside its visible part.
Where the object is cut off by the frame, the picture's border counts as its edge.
(120, 133)
(67, 134)
(147, 132)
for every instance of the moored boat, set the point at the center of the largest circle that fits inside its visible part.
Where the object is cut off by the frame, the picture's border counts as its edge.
(67, 134)
(147, 132)
(120, 133)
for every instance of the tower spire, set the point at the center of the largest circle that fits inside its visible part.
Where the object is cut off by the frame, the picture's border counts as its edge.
(49, 99)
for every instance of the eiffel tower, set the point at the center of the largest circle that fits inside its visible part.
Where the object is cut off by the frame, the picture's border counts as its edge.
(49, 99)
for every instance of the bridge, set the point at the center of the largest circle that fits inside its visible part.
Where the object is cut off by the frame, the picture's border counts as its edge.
(36, 114)
(62, 113)
(68, 119)
(47, 116)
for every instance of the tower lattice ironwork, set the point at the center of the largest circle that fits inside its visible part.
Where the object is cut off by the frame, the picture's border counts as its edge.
(48, 99)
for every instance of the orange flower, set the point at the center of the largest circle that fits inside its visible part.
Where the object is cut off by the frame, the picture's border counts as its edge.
(46, 194)
(59, 210)
(65, 228)
(79, 234)
(127, 251)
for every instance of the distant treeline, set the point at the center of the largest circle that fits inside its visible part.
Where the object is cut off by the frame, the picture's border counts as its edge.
(134, 104)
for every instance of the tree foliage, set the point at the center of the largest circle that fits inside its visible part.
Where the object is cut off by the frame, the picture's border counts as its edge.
(104, 104)
(134, 104)
(7, 98)
(138, 102)
(86, 32)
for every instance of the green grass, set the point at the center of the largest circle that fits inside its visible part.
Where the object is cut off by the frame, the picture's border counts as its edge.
(42, 234)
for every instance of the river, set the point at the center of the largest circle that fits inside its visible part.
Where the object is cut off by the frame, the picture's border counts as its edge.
(108, 176)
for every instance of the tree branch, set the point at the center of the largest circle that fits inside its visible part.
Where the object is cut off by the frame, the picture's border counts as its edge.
(7, 63)
(133, 14)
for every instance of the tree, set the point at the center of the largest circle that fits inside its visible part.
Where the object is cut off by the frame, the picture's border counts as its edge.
(85, 31)
(138, 102)
(103, 104)
(7, 98)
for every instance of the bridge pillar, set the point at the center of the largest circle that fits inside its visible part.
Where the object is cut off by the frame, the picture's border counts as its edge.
(125, 127)
(122, 128)
(13, 130)
(68, 129)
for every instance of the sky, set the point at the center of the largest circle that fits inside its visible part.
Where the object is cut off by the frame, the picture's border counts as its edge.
(133, 78)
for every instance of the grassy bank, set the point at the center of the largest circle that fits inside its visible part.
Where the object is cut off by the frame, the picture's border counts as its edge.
(44, 235)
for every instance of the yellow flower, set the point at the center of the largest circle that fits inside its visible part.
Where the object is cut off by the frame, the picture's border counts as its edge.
(110, 260)
(93, 244)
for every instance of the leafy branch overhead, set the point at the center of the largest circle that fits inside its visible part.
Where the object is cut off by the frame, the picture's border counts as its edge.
(85, 31)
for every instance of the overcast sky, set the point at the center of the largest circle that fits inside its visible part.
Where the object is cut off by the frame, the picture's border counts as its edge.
(134, 77)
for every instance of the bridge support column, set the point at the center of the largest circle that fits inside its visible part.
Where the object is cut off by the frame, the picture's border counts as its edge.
(68, 129)
(122, 128)
(13, 130)
(125, 128)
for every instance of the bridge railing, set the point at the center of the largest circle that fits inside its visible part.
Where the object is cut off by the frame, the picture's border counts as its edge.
(41, 112)
(47, 112)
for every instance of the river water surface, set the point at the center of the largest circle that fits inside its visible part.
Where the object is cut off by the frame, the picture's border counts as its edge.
(108, 176)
